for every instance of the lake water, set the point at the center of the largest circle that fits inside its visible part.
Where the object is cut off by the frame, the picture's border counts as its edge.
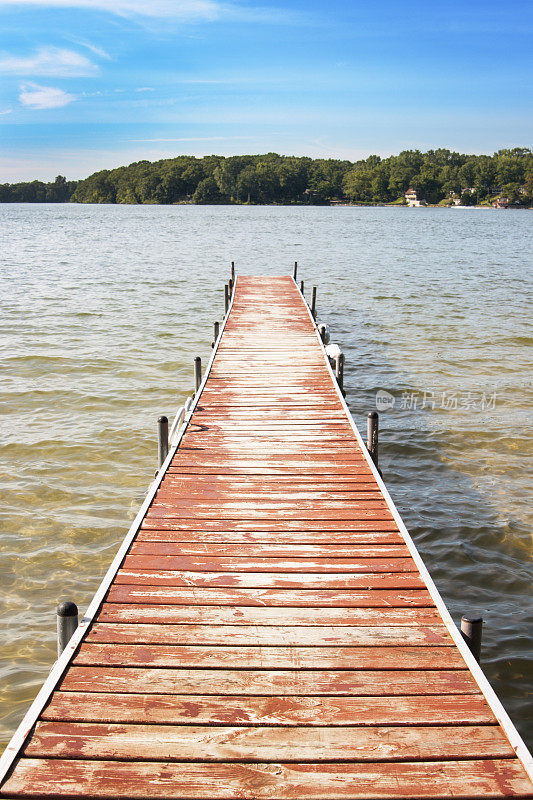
(103, 311)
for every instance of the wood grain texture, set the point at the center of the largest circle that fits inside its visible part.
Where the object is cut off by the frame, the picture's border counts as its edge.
(270, 550)
(233, 656)
(270, 615)
(277, 710)
(243, 743)
(304, 682)
(135, 573)
(251, 564)
(279, 525)
(191, 534)
(369, 598)
(270, 635)
(434, 780)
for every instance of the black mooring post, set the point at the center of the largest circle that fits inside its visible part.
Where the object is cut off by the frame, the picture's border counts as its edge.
(302, 287)
(197, 373)
(295, 270)
(217, 332)
(472, 632)
(372, 435)
(313, 303)
(67, 622)
(233, 272)
(162, 440)
(226, 298)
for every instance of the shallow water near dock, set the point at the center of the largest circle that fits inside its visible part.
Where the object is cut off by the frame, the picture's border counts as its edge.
(105, 307)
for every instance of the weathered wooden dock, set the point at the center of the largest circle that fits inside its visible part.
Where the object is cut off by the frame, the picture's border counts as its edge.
(268, 629)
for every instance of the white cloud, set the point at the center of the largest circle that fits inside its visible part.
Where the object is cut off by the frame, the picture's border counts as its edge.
(39, 97)
(98, 51)
(180, 9)
(51, 61)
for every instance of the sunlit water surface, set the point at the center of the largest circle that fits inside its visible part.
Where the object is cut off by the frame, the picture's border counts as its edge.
(103, 310)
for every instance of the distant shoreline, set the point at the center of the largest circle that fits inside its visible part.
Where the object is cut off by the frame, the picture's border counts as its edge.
(272, 205)
(436, 178)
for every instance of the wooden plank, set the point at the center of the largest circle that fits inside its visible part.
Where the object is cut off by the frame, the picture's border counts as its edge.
(244, 743)
(276, 481)
(250, 564)
(266, 580)
(299, 470)
(280, 526)
(281, 710)
(314, 465)
(141, 780)
(192, 535)
(248, 512)
(224, 504)
(273, 491)
(186, 462)
(249, 615)
(270, 635)
(236, 657)
(265, 498)
(270, 550)
(375, 598)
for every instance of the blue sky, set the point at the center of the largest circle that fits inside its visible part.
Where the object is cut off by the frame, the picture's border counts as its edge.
(88, 84)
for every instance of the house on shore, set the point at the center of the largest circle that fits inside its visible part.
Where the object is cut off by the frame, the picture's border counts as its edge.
(413, 198)
(500, 202)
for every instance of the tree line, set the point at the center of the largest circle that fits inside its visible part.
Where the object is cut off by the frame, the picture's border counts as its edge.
(439, 177)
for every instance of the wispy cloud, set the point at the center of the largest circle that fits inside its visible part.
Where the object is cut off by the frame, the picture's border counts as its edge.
(182, 10)
(197, 139)
(98, 51)
(40, 97)
(178, 9)
(50, 61)
(5, 111)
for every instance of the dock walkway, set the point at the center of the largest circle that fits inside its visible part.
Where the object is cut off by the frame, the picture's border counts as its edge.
(269, 630)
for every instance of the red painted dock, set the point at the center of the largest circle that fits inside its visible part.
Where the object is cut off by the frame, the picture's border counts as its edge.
(269, 630)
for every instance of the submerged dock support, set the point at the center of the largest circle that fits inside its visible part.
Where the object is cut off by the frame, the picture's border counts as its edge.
(472, 632)
(197, 373)
(372, 435)
(67, 622)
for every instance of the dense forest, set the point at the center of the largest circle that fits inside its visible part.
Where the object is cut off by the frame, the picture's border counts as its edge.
(438, 176)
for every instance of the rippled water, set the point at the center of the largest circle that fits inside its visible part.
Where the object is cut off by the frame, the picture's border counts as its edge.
(103, 310)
